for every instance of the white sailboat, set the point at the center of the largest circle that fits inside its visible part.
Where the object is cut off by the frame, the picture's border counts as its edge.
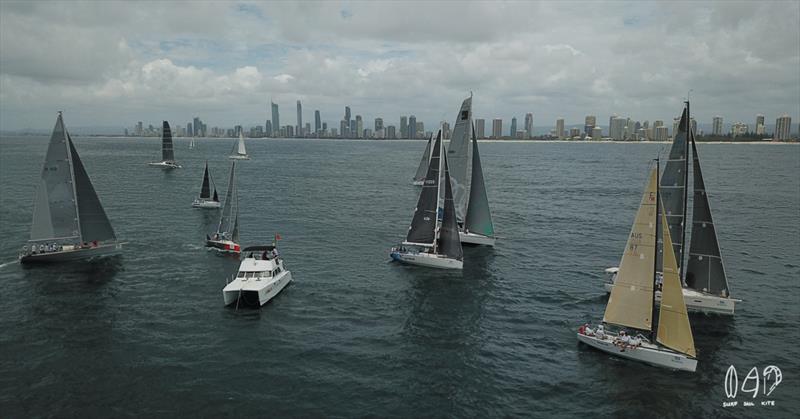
(69, 223)
(207, 199)
(191, 143)
(226, 238)
(433, 241)
(239, 152)
(422, 169)
(705, 283)
(261, 277)
(668, 343)
(167, 152)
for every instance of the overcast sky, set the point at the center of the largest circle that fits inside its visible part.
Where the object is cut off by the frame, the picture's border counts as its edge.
(112, 64)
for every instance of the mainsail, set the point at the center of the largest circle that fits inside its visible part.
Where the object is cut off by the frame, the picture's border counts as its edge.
(94, 224)
(479, 217)
(458, 154)
(674, 330)
(423, 225)
(449, 242)
(239, 147)
(631, 300)
(422, 170)
(230, 211)
(205, 190)
(673, 186)
(705, 271)
(167, 153)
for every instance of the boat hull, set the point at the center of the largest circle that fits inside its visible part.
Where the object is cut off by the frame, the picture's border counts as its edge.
(202, 203)
(255, 291)
(102, 250)
(418, 182)
(477, 239)
(426, 259)
(165, 165)
(238, 157)
(647, 353)
(224, 246)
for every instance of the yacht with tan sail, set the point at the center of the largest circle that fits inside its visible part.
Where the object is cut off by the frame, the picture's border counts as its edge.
(668, 342)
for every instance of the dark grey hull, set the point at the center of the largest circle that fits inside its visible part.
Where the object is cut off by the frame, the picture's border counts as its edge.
(72, 255)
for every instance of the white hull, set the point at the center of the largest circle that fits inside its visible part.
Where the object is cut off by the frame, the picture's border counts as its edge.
(66, 255)
(646, 352)
(418, 182)
(239, 157)
(254, 290)
(472, 238)
(165, 165)
(426, 259)
(202, 203)
(697, 302)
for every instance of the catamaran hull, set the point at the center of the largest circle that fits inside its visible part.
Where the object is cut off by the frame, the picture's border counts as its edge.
(224, 246)
(428, 260)
(165, 165)
(647, 353)
(254, 291)
(237, 157)
(205, 204)
(478, 239)
(99, 251)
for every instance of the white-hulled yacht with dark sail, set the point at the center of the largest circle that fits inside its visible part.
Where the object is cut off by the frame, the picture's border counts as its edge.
(69, 222)
(433, 241)
(226, 238)
(705, 284)
(207, 198)
(239, 152)
(261, 277)
(422, 169)
(167, 151)
(669, 342)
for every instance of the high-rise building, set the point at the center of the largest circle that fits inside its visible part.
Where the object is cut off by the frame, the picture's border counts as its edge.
(344, 127)
(276, 120)
(597, 133)
(347, 114)
(412, 127)
(661, 133)
(353, 133)
(738, 128)
(497, 128)
(268, 128)
(378, 124)
(390, 132)
(783, 127)
(289, 131)
(445, 130)
(675, 122)
(528, 125)
(513, 131)
(299, 119)
(574, 132)
(421, 130)
(189, 132)
(307, 129)
(480, 128)
(560, 128)
(359, 127)
(716, 126)
(139, 129)
(403, 127)
(589, 124)
(317, 122)
(616, 128)
(761, 129)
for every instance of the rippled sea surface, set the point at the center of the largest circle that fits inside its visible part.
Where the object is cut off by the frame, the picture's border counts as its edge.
(146, 334)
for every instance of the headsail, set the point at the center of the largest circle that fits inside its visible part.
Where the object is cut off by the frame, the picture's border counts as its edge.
(94, 224)
(167, 153)
(631, 300)
(424, 222)
(479, 217)
(673, 186)
(422, 170)
(231, 208)
(458, 157)
(705, 271)
(239, 148)
(674, 330)
(205, 190)
(449, 241)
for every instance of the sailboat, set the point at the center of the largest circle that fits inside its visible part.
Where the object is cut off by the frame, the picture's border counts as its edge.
(669, 342)
(422, 169)
(466, 174)
(226, 239)
(207, 199)
(69, 222)
(705, 282)
(167, 152)
(239, 152)
(191, 143)
(433, 241)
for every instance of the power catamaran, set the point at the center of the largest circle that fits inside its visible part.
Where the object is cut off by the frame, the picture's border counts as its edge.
(167, 152)
(226, 239)
(261, 277)
(669, 343)
(705, 283)
(422, 169)
(69, 222)
(433, 241)
(239, 152)
(206, 198)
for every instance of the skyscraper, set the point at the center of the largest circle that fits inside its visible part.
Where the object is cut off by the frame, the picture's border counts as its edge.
(347, 114)
(597, 133)
(268, 128)
(390, 132)
(403, 127)
(317, 122)
(353, 129)
(299, 119)
(616, 128)
(783, 127)
(529, 125)
(359, 127)
(198, 127)
(276, 119)
(480, 128)
(189, 132)
(589, 125)
(716, 126)
(513, 130)
(344, 127)
(560, 128)
(497, 128)
(760, 128)
(378, 124)
(412, 127)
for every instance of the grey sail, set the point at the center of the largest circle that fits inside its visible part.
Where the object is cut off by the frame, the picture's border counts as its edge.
(205, 190)
(422, 170)
(94, 224)
(55, 209)
(167, 153)
(235, 233)
(458, 157)
(423, 225)
(479, 217)
(449, 242)
(230, 209)
(673, 189)
(705, 271)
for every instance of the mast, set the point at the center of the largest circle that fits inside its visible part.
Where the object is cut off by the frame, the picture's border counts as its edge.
(437, 226)
(653, 326)
(685, 187)
(74, 188)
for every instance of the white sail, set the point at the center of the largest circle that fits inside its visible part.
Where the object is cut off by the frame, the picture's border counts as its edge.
(241, 150)
(458, 158)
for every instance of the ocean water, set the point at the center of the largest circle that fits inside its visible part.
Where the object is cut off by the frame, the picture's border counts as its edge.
(146, 334)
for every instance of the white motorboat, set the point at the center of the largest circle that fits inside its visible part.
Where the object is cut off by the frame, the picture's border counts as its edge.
(261, 277)
(239, 152)
(226, 238)
(207, 199)
(167, 152)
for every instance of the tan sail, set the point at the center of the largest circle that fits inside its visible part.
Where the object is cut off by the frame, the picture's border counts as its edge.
(631, 301)
(674, 330)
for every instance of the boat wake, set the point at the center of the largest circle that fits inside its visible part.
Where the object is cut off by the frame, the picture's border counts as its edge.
(3, 265)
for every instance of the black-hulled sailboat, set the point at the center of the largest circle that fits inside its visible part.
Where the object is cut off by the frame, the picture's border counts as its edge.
(226, 238)
(422, 169)
(705, 284)
(69, 222)
(207, 198)
(432, 240)
(167, 151)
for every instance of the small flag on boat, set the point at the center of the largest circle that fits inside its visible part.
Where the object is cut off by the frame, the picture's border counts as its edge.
(277, 236)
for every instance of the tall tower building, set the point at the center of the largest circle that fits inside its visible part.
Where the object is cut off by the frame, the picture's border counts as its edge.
(597, 133)
(783, 127)
(299, 119)
(378, 124)
(480, 128)
(716, 126)
(276, 119)
(528, 125)
(359, 127)
(761, 129)
(412, 127)
(497, 128)
(616, 129)
(347, 114)
(268, 128)
(317, 122)
(403, 127)
(344, 127)
(513, 130)
(560, 128)
(589, 124)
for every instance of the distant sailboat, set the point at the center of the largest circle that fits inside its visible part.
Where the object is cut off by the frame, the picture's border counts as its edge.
(207, 199)
(239, 152)
(167, 152)
(433, 241)
(226, 239)
(191, 143)
(69, 222)
(668, 343)
(422, 169)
